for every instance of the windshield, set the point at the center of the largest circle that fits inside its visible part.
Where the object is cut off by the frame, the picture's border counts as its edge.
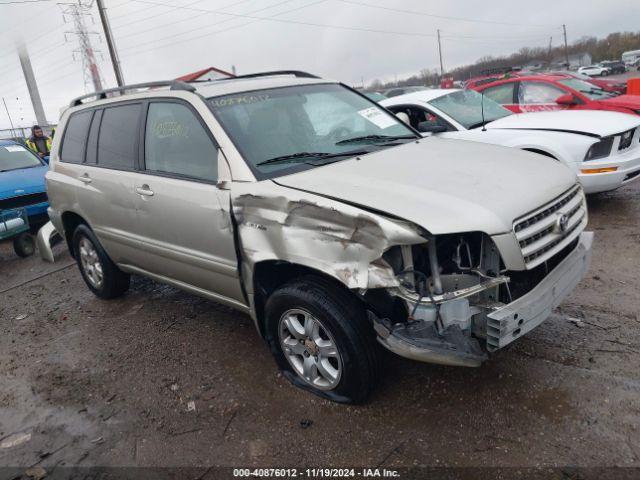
(465, 107)
(589, 90)
(285, 130)
(15, 157)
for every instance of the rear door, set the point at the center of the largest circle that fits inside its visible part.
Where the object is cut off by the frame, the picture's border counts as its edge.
(183, 214)
(106, 179)
(536, 96)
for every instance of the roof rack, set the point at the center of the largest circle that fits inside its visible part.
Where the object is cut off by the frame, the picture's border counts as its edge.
(180, 85)
(295, 73)
(102, 94)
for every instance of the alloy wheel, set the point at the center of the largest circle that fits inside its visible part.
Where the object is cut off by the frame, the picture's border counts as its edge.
(90, 262)
(310, 349)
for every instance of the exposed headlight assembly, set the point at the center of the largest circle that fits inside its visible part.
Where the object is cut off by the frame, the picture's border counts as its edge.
(602, 149)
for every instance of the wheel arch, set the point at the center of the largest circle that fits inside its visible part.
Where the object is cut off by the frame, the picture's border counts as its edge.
(70, 221)
(269, 275)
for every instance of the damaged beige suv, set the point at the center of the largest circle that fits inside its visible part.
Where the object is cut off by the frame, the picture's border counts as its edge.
(335, 226)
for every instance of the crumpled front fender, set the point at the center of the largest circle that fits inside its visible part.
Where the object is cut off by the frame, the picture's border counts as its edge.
(343, 241)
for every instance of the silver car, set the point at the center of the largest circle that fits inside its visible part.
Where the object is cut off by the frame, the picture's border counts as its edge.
(335, 226)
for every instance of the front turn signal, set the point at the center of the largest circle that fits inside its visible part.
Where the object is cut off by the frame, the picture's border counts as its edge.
(599, 170)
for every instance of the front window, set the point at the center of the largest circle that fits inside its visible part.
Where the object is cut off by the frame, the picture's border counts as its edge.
(285, 130)
(538, 93)
(589, 90)
(16, 157)
(466, 107)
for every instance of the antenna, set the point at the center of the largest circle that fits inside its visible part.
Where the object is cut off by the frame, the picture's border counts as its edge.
(484, 122)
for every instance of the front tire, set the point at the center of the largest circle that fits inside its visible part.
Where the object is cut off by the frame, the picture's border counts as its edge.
(321, 340)
(101, 275)
(24, 245)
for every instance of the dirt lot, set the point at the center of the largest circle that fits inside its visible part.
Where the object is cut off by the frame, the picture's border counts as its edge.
(163, 378)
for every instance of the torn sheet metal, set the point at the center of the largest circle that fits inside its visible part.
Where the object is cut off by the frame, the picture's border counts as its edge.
(340, 240)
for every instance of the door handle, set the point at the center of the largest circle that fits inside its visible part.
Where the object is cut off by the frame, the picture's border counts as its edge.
(85, 178)
(144, 190)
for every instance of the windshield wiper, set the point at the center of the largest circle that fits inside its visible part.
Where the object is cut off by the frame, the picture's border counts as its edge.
(301, 156)
(375, 138)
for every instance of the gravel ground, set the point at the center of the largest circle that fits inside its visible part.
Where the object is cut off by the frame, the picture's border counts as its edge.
(163, 378)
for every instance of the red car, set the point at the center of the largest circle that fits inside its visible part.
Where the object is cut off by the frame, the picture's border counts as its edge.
(533, 93)
(615, 86)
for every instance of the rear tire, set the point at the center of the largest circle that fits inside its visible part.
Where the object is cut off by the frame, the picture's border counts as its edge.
(24, 245)
(333, 356)
(101, 275)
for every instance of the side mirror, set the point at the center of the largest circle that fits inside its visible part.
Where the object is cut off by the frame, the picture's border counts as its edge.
(431, 127)
(566, 99)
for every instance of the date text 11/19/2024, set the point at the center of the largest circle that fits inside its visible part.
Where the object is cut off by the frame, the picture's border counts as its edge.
(315, 473)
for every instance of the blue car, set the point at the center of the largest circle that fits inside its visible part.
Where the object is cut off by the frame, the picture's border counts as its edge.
(23, 195)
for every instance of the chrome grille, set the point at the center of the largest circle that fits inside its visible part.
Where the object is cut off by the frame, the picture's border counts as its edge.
(544, 232)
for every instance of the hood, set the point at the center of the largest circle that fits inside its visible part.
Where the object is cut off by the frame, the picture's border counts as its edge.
(624, 101)
(29, 180)
(607, 83)
(590, 122)
(445, 186)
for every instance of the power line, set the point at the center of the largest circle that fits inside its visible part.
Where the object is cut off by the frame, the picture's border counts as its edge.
(166, 12)
(187, 19)
(295, 22)
(47, 33)
(495, 37)
(198, 28)
(226, 29)
(14, 2)
(442, 17)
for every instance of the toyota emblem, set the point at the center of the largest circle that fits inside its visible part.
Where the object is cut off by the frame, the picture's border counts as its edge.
(563, 223)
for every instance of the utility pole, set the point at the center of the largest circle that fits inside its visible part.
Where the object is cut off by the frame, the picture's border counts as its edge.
(440, 54)
(32, 86)
(108, 35)
(566, 48)
(549, 52)
(9, 115)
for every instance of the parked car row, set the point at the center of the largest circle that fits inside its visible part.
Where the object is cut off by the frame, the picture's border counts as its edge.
(543, 92)
(601, 148)
(335, 225)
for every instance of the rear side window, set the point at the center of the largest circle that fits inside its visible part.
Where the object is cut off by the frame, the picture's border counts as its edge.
(176, 142)
(92, 143)
(118, 138)
(503, 94)
(75, 137)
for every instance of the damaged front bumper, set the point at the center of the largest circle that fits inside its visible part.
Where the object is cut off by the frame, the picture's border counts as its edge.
(45, 239)
(507, 323)
(500, 324)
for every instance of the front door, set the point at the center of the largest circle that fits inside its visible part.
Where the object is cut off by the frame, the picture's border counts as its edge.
(183, 215)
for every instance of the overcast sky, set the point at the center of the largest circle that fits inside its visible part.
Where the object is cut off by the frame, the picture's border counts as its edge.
(349, 40)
